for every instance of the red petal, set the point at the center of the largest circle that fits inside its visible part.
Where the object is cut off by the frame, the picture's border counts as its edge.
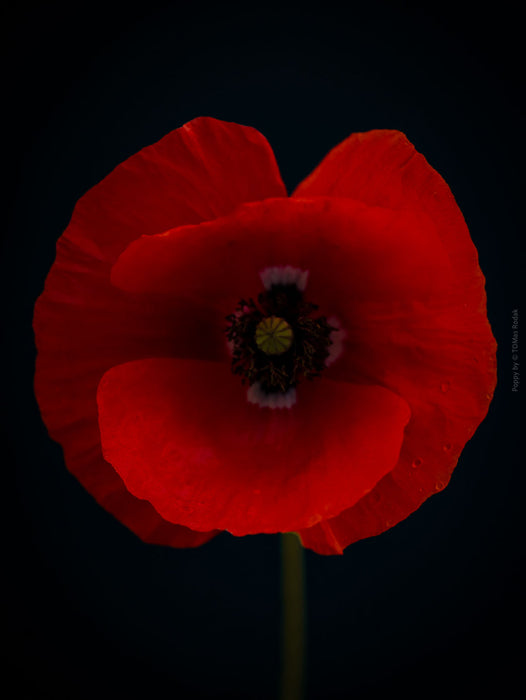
(83, 325)
(182, 435)
(196, 173)
(440, 357)
(354, 253)
(382, 168)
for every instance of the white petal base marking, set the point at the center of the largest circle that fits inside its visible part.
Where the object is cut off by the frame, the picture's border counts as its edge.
(284, 274)
(257, 396)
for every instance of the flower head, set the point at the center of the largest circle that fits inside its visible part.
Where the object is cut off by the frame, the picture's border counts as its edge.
(215, 355)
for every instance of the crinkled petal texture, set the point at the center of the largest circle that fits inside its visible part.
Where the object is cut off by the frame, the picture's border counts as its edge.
(440, 356)
(84, 326)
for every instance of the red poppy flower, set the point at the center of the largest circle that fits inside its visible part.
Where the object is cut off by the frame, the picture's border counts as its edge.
(215, 355)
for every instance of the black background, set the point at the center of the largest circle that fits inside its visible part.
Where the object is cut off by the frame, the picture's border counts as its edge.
(431, 608)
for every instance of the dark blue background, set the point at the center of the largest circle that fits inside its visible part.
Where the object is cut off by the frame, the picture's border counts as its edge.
(430, 608)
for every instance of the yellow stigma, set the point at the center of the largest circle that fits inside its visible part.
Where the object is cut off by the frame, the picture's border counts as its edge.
(274, 335)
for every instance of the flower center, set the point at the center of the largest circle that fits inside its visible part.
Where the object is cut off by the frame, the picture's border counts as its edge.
(278, 340)
(274, 336)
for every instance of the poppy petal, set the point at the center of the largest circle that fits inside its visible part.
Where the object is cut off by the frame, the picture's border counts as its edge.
(382, 168)
(196, 173)
(83, 325)
(367, 253)
(440, 358)
(182, 435)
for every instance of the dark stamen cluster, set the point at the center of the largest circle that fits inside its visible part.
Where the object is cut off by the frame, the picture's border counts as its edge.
(307, 353)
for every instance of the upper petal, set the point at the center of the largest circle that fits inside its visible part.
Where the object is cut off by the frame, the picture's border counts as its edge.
(353, 252)
(182, 435)
(195, 173)
(83, 325)
(383, 168)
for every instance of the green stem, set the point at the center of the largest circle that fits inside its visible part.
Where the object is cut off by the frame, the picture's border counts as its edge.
(293, 615)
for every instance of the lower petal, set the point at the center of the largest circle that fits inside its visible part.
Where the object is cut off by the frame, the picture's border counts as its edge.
(75, 426)
(182, 435)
